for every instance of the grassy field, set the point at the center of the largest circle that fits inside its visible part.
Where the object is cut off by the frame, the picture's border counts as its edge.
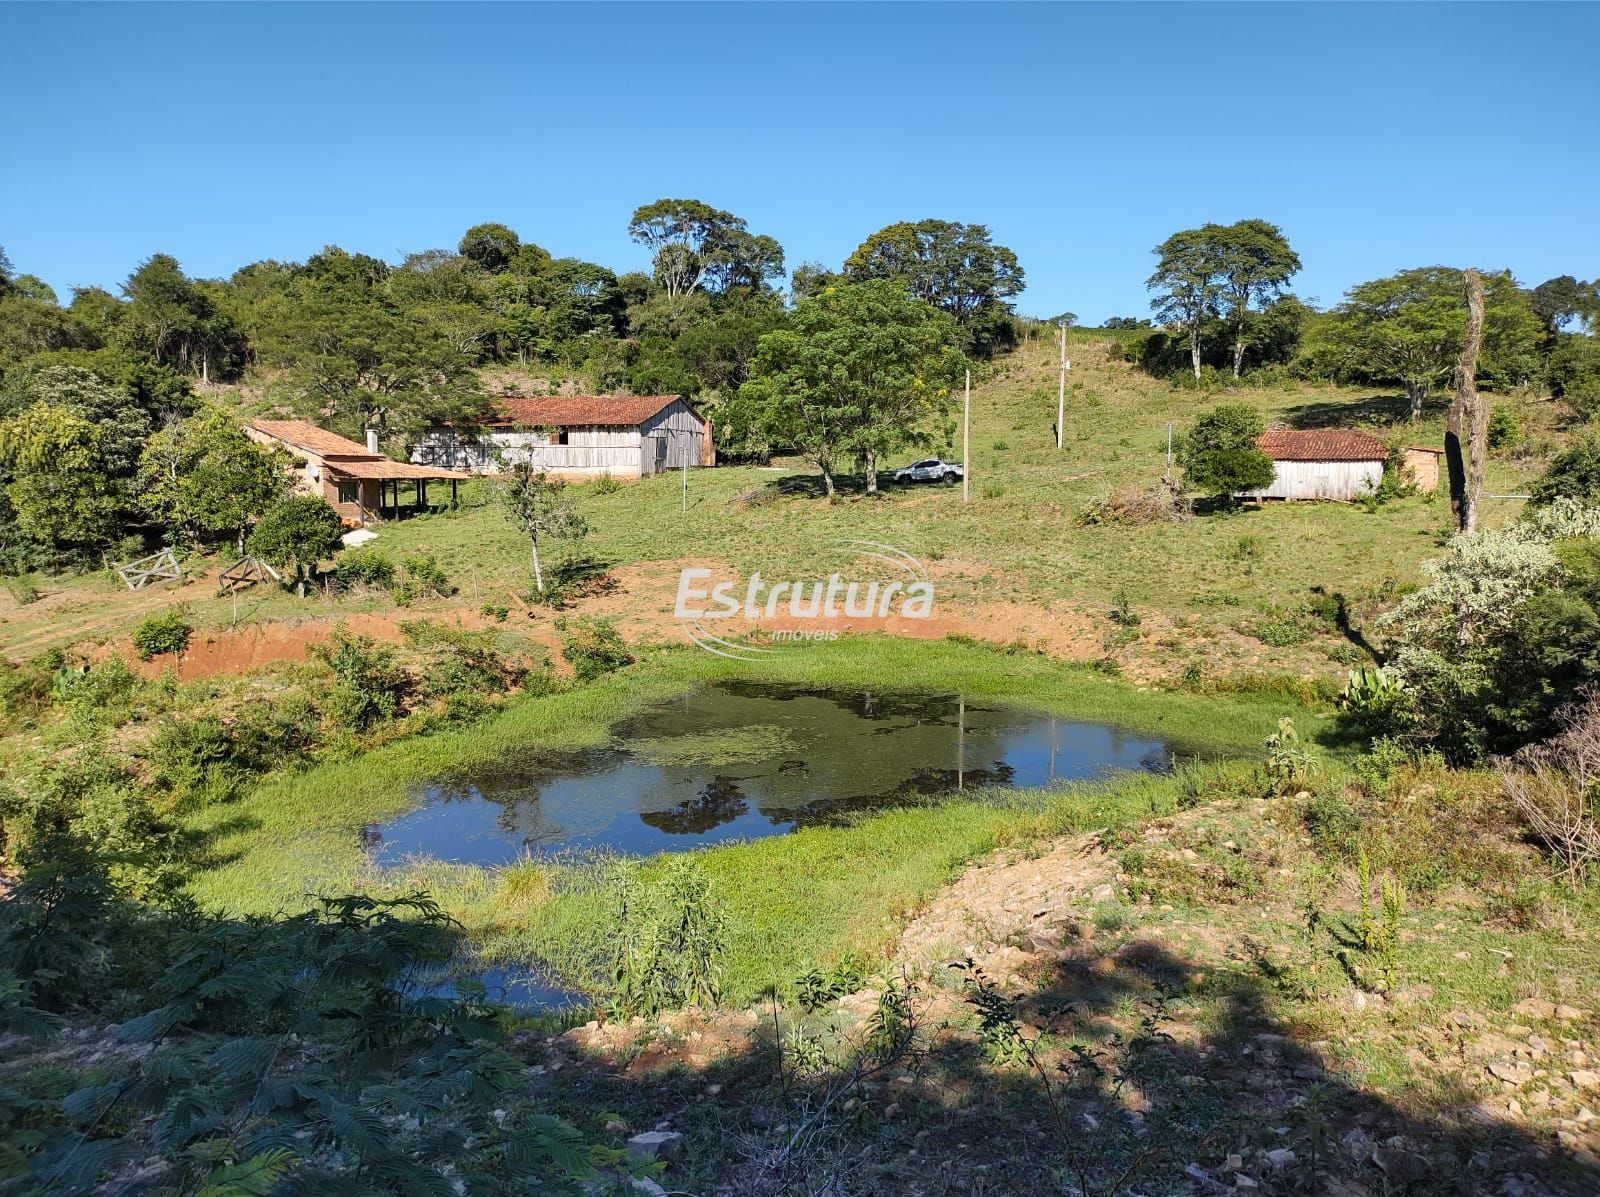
(1206, 588)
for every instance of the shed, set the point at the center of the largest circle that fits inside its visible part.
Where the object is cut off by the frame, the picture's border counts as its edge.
(1422, 462)
(1321, 463)
(357, 481)
(584, 436)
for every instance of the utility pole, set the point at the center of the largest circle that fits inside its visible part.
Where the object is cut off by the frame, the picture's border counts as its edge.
(686, 483)
(1061, 392)
(966, 443)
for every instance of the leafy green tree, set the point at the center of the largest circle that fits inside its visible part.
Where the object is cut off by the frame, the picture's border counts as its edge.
(492, 246)
(857, 371)
(295, 535)
(955, 267)
(694, 246)
(1255, 262)
(1574, 474)
(1220, 455)
(203, 477)
(175, 321)
(1409, 328)
(1188, 283)
(1562, 301)
(60, 489)
(538, 504)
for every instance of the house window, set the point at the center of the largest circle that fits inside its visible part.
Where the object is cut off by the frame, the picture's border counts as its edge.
(560, 437)
(349, 492)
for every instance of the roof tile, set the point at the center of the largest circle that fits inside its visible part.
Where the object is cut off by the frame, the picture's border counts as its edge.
(1320, 444)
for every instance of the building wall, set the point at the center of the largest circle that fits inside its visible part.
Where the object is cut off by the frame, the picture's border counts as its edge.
(588, 452)
(363, 504)
(1339, 480)
(672, 438)
(1423, 466)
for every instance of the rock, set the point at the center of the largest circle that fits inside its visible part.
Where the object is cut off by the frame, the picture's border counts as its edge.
(1403, 1168)
(1512, 1072)
(1103, 893)
(1234, 1162)
(1585, 1078)
(1280, 1157)
(616, 1126)
(654, 1145)
(1570, 1013)
(1535, 1008)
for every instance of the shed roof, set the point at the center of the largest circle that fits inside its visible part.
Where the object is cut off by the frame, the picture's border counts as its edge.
(566, 411)
(304, 435)
(383, 467)
(1320, 444)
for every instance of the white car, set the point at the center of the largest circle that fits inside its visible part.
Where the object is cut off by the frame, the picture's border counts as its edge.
(930, 469)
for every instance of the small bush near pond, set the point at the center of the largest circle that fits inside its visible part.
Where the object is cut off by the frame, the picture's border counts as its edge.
(369, 682)
(366, 567)
(592, 646)
(168, 632)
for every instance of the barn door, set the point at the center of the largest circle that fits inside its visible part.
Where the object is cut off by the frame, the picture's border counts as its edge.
(660, 451)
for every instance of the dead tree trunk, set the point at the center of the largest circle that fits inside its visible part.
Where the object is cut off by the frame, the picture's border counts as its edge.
(1467, 436)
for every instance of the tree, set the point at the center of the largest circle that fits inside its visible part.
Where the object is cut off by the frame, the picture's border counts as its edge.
(204, 477)
(1220, 454)
(694, 245)
(859, 370)
(60, 488)
(1188, 283)
(492, 246)
(174, 320)
(955, 267)
(1469, 417)
(538, 504)
(1255, 262)
(1410, 328)
(1574, 474)
(295, 535)
(1563, 300)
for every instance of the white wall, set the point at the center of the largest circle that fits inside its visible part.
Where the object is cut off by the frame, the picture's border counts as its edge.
(1342, 480)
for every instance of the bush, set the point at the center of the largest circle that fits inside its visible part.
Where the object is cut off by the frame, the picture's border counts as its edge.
(592, 646)
(23, 591)
(461, 663)
(168, 632)
(366, 567)
(421, 578)
(605, 484)
(495, 611)
(295, 535)
(1375, 700)
(369, 682)
(1504, 428)
(1556, 788)
(670, 938)
(26, 689)
(1219, 453)
(1575, 474)
(1162, 503)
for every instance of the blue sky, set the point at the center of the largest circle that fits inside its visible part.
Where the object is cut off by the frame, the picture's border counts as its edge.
(1081, 134)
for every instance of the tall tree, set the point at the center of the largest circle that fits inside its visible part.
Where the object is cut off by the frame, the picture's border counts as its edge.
(1188, 282)
(492, 246)
(1255, 262)
(858, 371)
(1469, 416)
(1410, 328)
(295, 535)
(203, 477)
(695, 246)
(955, 267)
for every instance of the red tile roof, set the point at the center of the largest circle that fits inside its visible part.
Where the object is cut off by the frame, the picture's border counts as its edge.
(307, 436)
(565, 411)
(1320, 444)
(382, 467)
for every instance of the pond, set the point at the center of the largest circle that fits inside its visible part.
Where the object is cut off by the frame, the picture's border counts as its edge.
(742, 760)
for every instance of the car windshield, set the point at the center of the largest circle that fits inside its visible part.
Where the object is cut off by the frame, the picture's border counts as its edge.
(922, 465)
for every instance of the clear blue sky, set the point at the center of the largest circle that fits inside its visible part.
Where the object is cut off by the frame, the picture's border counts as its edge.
(1378, 136)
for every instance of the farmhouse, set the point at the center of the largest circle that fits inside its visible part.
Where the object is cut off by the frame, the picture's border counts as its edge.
(1321, 463)
(581, 436)
(357, 481)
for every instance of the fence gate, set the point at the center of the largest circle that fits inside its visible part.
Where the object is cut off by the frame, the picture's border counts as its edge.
(138, 574)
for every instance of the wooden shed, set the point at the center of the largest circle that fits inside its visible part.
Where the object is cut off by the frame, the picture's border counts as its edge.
(584, 436)
(357, 481)
(1321, 463)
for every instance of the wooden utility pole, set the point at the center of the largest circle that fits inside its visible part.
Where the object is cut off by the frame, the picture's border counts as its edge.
(1466, 439)
(966, 443)
(1061, 392)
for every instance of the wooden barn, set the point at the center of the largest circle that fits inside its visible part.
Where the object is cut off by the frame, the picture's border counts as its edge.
(1321, 463)
(357, 481)
(582, 436)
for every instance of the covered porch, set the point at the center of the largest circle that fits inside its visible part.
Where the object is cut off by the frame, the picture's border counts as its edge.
(371, 491)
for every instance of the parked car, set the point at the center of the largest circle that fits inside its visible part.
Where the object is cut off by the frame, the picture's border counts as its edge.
(930, 469)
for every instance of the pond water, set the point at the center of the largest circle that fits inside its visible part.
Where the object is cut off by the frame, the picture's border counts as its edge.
(739, 761)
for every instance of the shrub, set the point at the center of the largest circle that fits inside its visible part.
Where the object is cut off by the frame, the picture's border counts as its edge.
(421, 577)
(1556, 788)
(96, 686)
(369, 683)
(26, 688)
(1574, 474)
(461, 662)
(592, 646)
(168, 632)
(23, 591)
(1289, 766)
(295, 535)
(495, 611)
(1219, 453)
(366, 567)
(1162, 503)
(1375, 700)
(605, 484)
(670, 938)
(1504, 428)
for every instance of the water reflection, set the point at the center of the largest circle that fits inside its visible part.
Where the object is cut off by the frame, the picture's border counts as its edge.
(741, 760)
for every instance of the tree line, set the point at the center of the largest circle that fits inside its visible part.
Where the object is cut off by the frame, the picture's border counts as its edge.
(107, 438)
(1221, 301)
